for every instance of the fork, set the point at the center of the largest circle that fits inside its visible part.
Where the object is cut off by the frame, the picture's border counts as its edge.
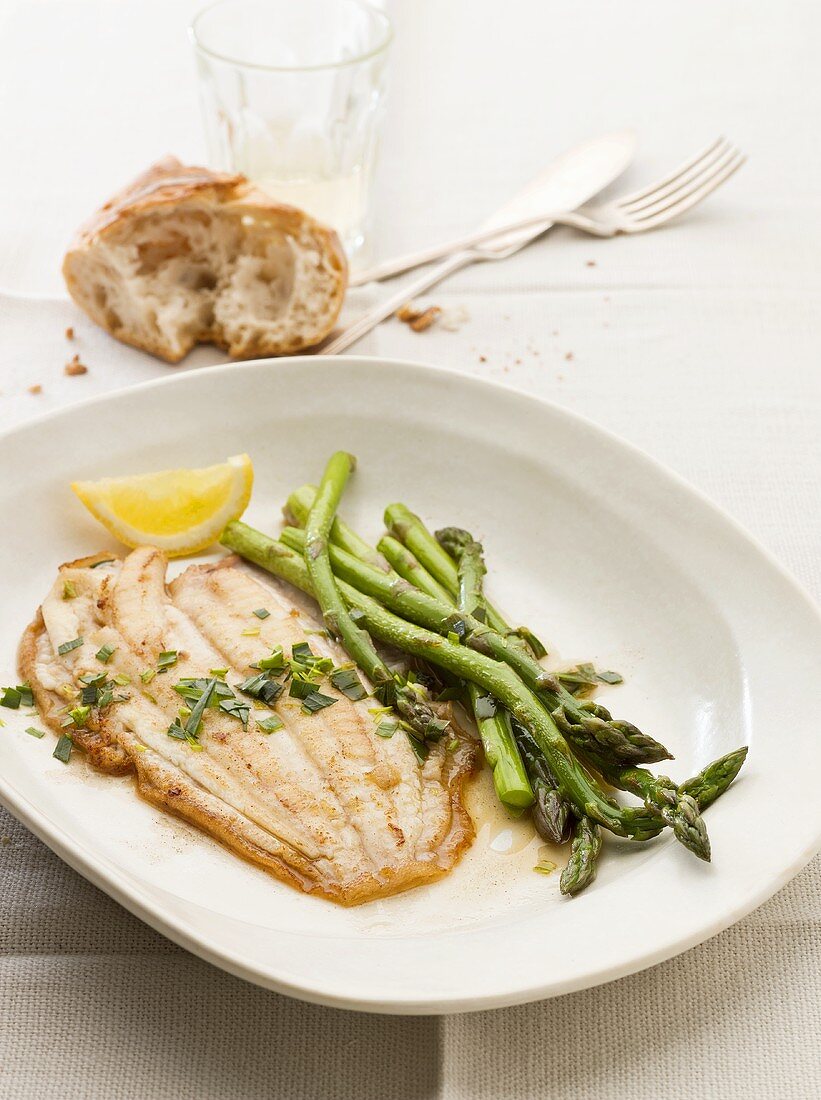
(642, 210)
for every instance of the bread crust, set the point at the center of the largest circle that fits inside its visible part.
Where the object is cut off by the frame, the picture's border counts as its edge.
(169, 185)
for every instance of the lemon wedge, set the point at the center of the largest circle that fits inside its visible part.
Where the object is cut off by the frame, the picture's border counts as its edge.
(178, 511)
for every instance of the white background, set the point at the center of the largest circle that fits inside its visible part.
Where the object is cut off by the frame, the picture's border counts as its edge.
(698, 343)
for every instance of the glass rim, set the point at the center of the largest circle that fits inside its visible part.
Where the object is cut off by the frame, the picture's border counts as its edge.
(380, 47)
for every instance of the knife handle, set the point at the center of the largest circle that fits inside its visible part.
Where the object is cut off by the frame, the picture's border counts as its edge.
(399, 264)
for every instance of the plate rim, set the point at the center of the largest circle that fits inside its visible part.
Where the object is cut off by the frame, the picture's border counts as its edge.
(131, 896)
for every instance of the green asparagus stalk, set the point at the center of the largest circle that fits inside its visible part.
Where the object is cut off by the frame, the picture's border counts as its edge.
(494, 728)
(509, 777)
(661, 795)
(551, 812)
(297, 508)
(583, 723)
(334, 610)
(714, 780)
(409, 700)
(496, 678)
(408, 528)
(580, 870)
(586, 724)
(411, 569)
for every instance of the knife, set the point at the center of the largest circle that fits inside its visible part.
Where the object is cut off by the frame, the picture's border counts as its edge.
(569, 182)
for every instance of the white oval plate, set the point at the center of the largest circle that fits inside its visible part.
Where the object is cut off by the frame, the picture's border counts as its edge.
(604, 553)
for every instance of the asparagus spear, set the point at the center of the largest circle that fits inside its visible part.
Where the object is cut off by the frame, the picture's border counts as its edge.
(551, 812)
(495, 727)
(714, 780)
(586, 725)
(412, 570)
(409, 700)
(496, 678)
(661, 795)
(509, 776)
(297, 508)
(584, 851)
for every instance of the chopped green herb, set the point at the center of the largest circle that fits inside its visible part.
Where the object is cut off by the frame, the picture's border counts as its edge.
(147, 675)
(192, 689)
(105, 697)
(535, 646)
(435, 728)
(261, 687)
(69, 591)
(420, 749)
(302, 652)
(237, 708)
(609, 677)
(301, 688)
(219, 673)
(346, 680)
(485, 706)
(88, 695)
(386, 693)
(274, 663)
(79, 715)
(35, 732)
(166, 660)
(262, 613)
(62, 750)
(122, 680)
(67, 647)
(545, 867)
(252, 633)
(387, 726)
(177, 731)
(453, 744)
(95, 678)
(317, 701)
(26, 695)
(448, 694)
(192, 726)
(454, 638)
(270, 725)
(10, 698)
(104, 653)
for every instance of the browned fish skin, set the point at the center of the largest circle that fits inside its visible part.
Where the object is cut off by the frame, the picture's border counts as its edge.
(324, 804)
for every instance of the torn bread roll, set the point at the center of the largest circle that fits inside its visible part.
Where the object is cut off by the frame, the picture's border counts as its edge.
(187, 256)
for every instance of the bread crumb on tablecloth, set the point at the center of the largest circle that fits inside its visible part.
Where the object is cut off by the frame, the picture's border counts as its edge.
(69, 333)
(36, 388)
(74, 367)
(418, 319)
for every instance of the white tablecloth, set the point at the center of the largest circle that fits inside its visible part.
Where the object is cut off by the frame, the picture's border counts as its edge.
(699, 344)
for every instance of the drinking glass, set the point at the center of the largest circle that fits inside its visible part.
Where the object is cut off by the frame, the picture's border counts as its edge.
(292, 95)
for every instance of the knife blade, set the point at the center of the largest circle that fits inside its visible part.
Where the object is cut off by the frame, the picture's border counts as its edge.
(567, 183)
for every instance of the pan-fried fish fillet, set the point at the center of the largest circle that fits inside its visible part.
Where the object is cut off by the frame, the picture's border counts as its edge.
(324, 804)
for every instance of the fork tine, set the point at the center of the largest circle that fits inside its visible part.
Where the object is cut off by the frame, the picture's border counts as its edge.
(680, 171)
(681, 203)
(686, 181)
